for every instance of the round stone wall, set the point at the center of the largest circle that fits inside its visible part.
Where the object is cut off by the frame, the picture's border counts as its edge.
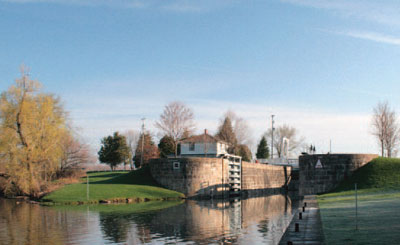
(320, 173)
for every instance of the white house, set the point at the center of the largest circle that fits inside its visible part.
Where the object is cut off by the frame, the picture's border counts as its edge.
(203, 145)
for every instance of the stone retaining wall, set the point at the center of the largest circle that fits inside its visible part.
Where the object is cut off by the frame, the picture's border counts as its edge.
(209, 176)
(335, 168)
(194, 177)
(261, 178)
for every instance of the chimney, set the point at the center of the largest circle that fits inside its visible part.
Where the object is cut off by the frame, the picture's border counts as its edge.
(205, 131)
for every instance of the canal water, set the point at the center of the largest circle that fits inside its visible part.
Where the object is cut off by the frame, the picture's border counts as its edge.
(259, 220)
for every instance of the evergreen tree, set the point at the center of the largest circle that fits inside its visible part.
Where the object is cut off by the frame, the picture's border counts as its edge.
(225, 133)
(262, 149)
(150, 150)
(114, 150)
(166, 146)
(244, 152)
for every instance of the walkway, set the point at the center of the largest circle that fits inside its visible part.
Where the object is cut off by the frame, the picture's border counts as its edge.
(310, 226)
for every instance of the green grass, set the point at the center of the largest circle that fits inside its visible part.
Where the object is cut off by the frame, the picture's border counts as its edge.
(378, 217)
(138, 185)
(379, 173)
(378, 206)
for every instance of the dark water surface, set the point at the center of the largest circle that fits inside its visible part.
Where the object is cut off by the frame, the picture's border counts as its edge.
(259, 220)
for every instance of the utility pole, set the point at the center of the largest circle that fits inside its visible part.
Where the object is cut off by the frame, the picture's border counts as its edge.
(141, 155)
(272, 136)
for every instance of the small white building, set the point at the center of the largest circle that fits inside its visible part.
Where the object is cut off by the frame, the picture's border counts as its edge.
(203, 145)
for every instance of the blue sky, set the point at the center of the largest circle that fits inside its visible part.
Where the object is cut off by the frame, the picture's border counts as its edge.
(320, 66)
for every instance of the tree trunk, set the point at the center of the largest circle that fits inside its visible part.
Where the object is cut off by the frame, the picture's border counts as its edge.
(176, 148)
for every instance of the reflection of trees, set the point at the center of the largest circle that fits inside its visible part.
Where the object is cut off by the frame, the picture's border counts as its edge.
(115, 227)
(144, 234)
(29, 224)
(198, 221)
(263, 227)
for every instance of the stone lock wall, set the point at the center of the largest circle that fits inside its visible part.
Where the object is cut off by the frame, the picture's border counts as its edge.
(335, 168)
(260, 178)
(209, 176)
(194, 177)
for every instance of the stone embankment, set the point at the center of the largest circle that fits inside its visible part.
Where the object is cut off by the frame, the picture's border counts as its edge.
(210, 176)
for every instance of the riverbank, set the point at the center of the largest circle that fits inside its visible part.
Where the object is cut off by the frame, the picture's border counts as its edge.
(112, 187)
(376, 220)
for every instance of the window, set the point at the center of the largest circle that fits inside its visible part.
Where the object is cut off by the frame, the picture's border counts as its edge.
(191, 146)
(176, 165)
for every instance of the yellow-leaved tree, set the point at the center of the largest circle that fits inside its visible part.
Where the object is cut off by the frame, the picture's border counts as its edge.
(32, 126)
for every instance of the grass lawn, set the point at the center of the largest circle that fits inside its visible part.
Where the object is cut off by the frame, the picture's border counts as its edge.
(378, 217)
(112, 185)
(378, 206)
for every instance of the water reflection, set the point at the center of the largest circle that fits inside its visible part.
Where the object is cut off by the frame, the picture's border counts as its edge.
(254, 220)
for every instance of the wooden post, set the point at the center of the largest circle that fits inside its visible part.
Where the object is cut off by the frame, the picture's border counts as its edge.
(355, 187)
(87, 186)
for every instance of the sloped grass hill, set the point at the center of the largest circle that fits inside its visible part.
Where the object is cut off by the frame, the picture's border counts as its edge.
(379, 173)
(137, 185)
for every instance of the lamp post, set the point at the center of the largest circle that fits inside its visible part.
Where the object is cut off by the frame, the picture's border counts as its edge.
(272, 136)
(141, 155)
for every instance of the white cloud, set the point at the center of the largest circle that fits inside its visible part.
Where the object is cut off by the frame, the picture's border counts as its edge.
(373, 36)
(382, 12)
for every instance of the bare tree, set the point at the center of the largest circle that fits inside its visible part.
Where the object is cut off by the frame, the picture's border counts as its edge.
(385, 128)
(132, 138)
(175, 121)
(74, 154)
(287, 132)
(240, 128)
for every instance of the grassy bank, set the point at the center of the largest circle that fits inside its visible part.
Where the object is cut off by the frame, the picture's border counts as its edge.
(140, 207)
(378, 213)
(379, 173)
(136, 185)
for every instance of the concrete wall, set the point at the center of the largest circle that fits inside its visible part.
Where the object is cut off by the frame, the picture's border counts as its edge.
(335, 168)
(209, 176)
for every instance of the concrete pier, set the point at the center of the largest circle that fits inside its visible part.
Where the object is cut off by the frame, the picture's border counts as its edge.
(309, 227)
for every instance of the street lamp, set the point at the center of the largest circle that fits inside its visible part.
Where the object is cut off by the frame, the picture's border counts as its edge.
(141, 155)
(272, 136)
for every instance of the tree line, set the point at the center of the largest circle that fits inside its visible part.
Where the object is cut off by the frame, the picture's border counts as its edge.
(177, 123)
(37, 142)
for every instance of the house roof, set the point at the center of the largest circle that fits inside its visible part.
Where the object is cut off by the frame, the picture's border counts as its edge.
(202, 138)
